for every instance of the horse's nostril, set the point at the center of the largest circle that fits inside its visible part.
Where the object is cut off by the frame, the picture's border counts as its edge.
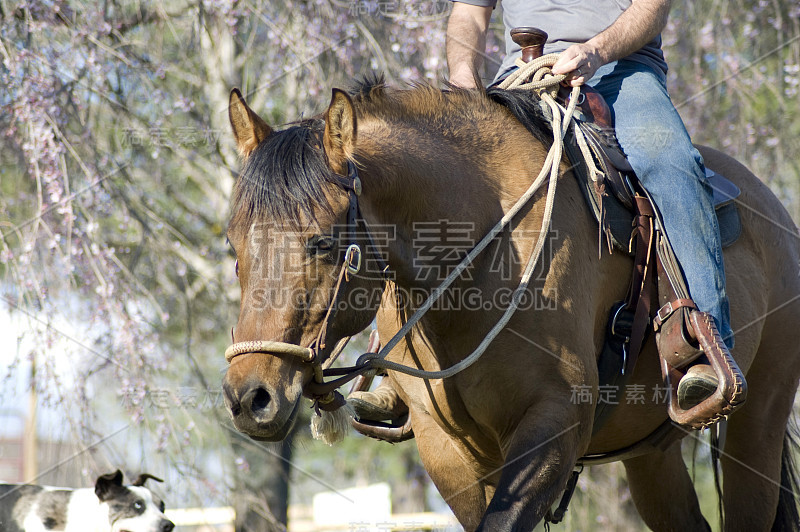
(260, 400)
(231, 400)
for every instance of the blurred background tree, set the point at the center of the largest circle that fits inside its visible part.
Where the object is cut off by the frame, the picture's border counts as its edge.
(116, 166)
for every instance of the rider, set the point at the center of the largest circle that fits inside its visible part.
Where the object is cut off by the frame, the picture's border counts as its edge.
(615, 47)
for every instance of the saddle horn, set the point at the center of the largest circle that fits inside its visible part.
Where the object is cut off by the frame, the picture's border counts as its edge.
(531, 40)
(144, 477)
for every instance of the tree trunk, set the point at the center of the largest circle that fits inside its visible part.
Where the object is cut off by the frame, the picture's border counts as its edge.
(261, 497)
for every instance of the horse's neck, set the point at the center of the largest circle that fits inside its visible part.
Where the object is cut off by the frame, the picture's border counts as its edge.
(454, 188)
(440, 202)
(436, 214)
(427, 187)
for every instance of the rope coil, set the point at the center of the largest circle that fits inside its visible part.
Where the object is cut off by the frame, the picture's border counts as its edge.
(535, 75)
(543, 81)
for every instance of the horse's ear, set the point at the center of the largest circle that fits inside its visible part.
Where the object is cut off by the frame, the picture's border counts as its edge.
(248, 128)
(340, 131)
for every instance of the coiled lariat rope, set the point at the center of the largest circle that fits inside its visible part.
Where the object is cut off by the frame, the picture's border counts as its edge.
(535, 75)
(543, 82)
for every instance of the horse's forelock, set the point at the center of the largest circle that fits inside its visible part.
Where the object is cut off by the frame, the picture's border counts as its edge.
(284, 178)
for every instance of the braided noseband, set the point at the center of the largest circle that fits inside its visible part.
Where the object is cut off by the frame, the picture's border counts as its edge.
(306, 354)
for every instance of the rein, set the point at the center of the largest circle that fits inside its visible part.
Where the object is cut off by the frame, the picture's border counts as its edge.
(324, 392)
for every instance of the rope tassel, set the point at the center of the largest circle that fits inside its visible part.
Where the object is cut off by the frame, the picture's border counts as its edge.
(331, 420)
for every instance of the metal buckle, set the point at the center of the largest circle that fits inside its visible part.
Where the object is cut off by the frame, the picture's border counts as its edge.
(352, 258)
(357, 185)
(668, 310)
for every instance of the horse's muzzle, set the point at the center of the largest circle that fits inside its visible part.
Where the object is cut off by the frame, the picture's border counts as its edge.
(254, 409)
(258, 410)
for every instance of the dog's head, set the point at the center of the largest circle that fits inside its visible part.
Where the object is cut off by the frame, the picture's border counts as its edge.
(132, 508)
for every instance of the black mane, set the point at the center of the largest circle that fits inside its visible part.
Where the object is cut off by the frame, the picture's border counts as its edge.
(525, 106)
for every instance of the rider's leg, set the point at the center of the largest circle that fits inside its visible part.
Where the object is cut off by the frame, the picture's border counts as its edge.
(655, 140)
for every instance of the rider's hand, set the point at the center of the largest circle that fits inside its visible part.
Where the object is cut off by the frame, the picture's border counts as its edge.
(579, 62)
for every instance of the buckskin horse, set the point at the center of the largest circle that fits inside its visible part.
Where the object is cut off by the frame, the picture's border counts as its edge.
(501, 438)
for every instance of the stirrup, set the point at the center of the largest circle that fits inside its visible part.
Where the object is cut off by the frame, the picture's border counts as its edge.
(731, 391)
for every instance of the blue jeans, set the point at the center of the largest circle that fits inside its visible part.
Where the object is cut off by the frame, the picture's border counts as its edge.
(652, 135)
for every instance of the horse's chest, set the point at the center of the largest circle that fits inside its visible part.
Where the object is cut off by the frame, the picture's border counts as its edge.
(457, 416)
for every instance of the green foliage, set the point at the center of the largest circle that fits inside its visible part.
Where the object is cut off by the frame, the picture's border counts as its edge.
(735, 78)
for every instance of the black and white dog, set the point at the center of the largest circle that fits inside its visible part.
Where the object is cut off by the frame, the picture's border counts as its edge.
(109, 507)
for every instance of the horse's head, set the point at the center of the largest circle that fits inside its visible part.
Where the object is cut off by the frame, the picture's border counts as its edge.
(291, 229)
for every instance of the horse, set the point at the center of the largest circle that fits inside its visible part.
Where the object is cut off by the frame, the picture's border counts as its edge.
(499, 439)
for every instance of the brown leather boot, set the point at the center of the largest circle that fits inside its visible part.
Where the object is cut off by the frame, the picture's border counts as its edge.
(696, 386)
(382, 404)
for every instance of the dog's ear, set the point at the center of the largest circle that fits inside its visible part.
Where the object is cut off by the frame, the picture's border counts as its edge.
(106, 485)
(141, 479)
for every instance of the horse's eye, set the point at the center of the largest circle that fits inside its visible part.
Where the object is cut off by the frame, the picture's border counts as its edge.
(319, 245)
(138, 505)
(236, 268)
